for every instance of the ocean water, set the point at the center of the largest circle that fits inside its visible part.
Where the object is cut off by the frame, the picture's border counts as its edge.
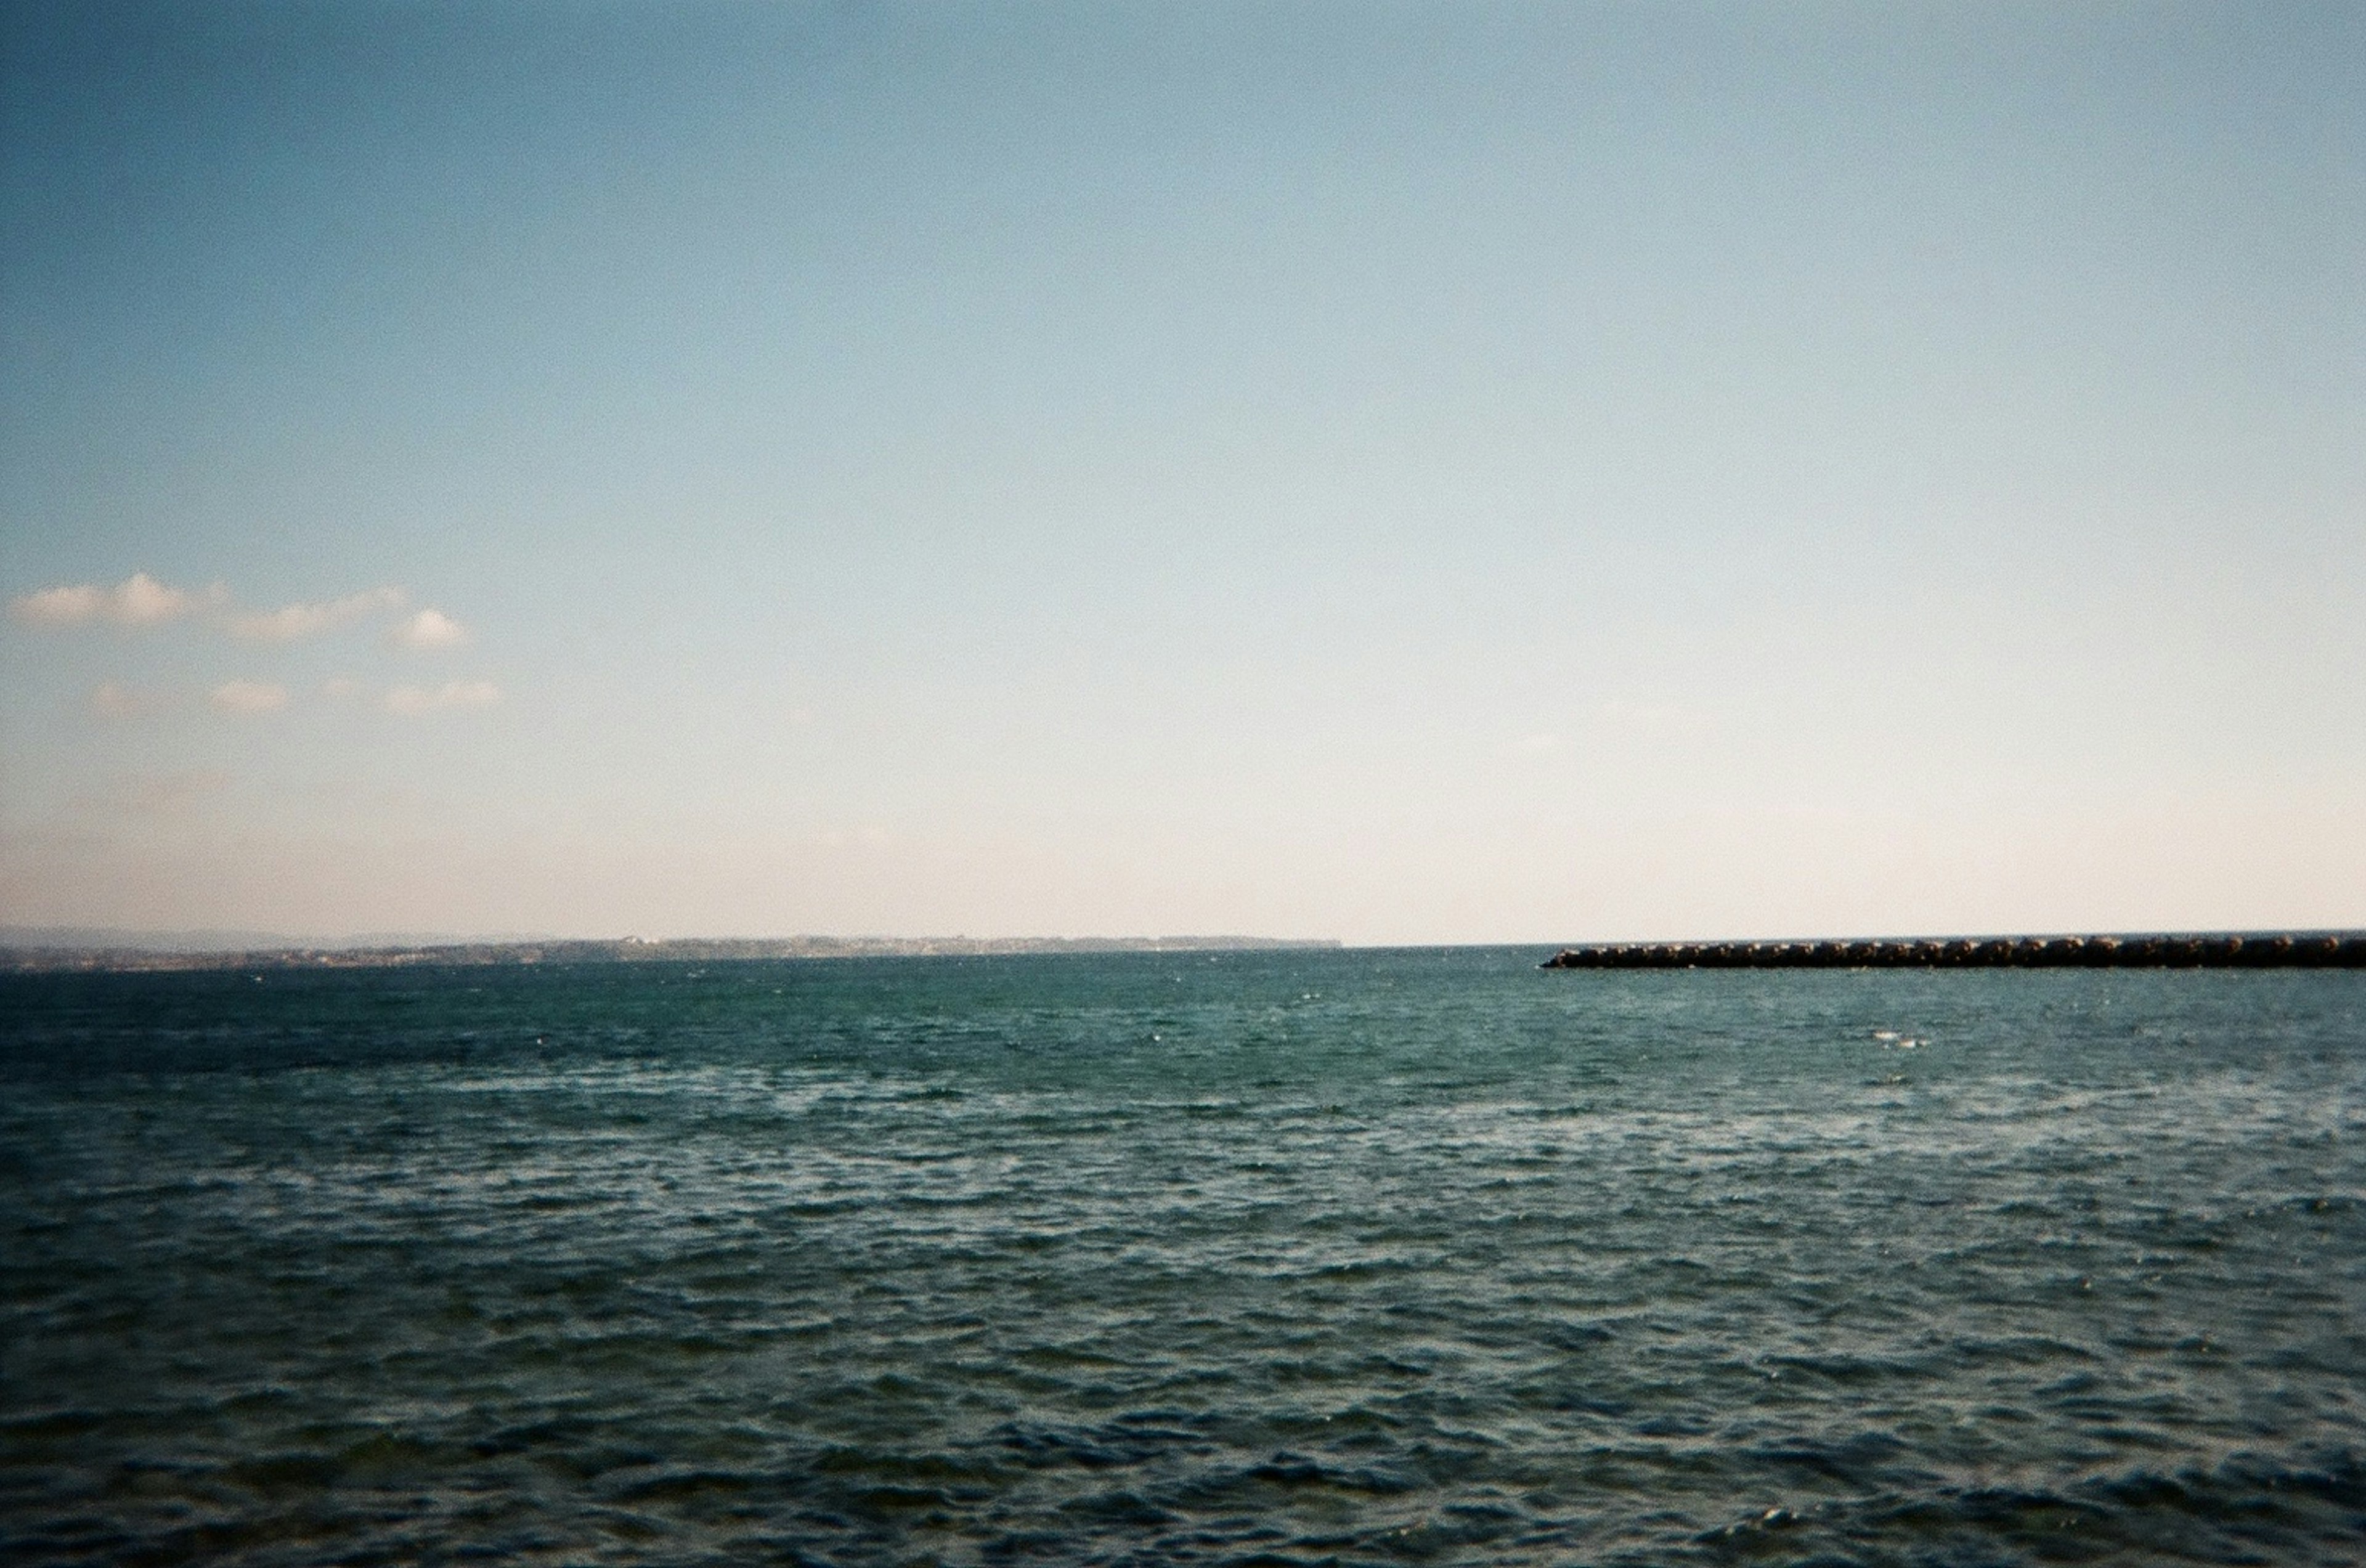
(1273, 1258)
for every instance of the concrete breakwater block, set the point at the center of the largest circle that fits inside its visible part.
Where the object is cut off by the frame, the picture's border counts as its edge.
(2286, 950)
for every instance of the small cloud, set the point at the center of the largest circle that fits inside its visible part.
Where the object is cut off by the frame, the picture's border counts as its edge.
(1535, 745)
(249, 696)
(430, 629)
(291, 623)
(343, 688)
(138, 601)
(141, 601)
(112, 699)
(451, 694)
(59, 606)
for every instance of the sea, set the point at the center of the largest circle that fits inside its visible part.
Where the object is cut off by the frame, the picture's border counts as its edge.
(1255, 1258)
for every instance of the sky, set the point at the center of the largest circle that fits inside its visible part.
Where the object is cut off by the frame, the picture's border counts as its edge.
(1412, 473)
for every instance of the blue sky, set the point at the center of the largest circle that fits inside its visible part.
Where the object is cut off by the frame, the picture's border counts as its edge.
(1402, 473)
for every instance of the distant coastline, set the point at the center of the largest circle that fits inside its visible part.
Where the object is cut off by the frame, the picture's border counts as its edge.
(2172, 949)
(32, 952)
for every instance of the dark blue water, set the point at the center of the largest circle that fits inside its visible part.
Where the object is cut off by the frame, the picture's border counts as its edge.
(1355, 1257)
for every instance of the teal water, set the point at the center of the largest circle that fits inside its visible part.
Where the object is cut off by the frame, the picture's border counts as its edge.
(1353, 1258)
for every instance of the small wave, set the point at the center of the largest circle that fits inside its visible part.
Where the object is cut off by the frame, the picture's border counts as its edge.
(2247, 1509)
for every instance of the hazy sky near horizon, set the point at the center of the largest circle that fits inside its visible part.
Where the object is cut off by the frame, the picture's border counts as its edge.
(1394, 472)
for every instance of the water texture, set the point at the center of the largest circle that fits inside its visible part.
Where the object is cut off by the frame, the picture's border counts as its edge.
(1350, 1257)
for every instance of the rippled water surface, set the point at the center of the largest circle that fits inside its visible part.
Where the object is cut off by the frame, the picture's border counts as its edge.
(1355, 1257)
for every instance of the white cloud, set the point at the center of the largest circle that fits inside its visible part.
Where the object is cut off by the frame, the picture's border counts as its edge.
(138, 601)
(112, 699)
(292, 622)
(59, 606)
(141, 601)
(451, 694)
(430, 629)
(341, 687)
(249, 696)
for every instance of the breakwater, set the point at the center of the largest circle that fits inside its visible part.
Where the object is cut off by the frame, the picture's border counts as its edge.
(2282, 950)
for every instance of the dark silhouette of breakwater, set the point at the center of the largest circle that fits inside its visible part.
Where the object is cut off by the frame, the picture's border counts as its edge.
(2284, 950)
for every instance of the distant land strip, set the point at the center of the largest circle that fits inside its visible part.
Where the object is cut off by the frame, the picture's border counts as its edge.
(626, 950)
(2218, 950)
